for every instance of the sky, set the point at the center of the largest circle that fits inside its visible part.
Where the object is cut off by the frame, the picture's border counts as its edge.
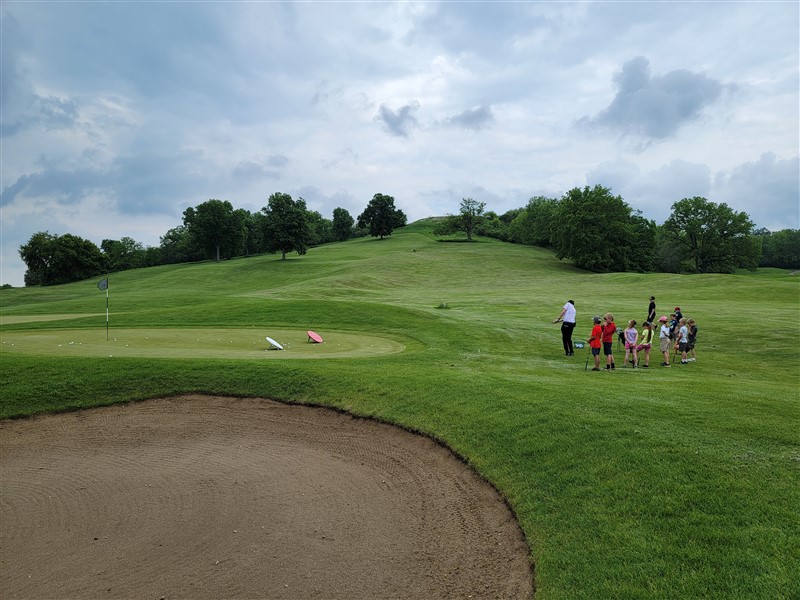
(117, 116)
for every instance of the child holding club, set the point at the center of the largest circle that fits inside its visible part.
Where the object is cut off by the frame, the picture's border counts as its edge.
(596, 342)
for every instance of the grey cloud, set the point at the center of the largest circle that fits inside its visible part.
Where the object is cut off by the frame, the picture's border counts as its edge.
(260, 168)
(9, 57)
(767, 189)
(476, 118)
(654, 107)
(400, 122)
(653, 192)
(138, 184)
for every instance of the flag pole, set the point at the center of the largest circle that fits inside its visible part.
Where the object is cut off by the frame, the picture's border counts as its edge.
(103, 285)
(106, 311)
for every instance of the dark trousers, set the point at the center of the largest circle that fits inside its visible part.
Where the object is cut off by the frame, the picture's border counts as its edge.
(566, 336)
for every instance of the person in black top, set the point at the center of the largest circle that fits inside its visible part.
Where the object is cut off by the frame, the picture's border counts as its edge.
(651, 311)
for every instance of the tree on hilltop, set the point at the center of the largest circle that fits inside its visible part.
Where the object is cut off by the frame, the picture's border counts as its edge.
(286, 226)
(468, 220)
(381, 216)
(216, 228)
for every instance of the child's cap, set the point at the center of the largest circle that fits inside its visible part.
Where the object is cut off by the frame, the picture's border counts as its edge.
(596, 319)
(677, 308)
(663, 319)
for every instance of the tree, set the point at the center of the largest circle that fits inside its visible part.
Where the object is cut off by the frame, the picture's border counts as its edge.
(780, 248)
(177, 246)
(534, 224)
(598, 231)
(216, 228)
(37, 255)
(342, 225)
(320, 228)
(125, 253)
(286, 225)
(469, 218)
(253, 231)
(381, 216)
(710, 237)
(55, 259)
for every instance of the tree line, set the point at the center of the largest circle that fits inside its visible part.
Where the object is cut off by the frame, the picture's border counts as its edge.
(591, 226)
(213, 230)
(600, 232)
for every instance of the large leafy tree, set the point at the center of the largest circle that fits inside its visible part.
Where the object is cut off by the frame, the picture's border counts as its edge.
(710, 237)
(53, 259)
(286, 226)
(216, 228)
(381, 216)
(598, 231)
(469, 218)
(342, 224)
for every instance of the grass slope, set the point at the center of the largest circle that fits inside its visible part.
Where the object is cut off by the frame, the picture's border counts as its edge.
(660, 483)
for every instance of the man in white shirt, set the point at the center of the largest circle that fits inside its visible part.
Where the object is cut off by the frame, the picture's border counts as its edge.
(567, 318)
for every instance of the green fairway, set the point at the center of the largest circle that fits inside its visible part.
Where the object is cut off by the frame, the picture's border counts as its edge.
(680, 482)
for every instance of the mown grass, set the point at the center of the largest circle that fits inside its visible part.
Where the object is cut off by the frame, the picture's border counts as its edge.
(667, 483)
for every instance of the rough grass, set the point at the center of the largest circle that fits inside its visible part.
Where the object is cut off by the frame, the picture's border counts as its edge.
(667, 483)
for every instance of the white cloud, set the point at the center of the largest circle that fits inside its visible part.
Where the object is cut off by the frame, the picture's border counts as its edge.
(145, 109)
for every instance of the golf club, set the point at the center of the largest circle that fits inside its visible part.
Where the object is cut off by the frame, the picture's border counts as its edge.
(580, 345)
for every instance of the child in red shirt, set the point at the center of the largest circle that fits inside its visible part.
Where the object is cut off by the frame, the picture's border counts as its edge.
(595, 342)
(608, 340)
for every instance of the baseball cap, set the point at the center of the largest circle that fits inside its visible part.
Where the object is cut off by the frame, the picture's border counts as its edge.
(663, 319)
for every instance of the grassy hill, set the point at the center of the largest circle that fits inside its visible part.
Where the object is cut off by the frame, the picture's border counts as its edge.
(660, 483)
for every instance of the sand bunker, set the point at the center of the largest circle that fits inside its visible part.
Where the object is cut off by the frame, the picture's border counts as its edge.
(206, 497)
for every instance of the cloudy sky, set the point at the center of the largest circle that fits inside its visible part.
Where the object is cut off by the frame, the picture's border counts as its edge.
(117, 116)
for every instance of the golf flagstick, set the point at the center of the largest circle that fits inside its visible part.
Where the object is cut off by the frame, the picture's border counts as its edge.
(103, 285)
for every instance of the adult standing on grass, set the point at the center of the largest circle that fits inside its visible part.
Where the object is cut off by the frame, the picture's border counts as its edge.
(608, 341)
(567, 318)
(596, 342)
(651, 311)
(663, 336)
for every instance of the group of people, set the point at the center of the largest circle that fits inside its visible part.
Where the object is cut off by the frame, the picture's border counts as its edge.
(675, 332)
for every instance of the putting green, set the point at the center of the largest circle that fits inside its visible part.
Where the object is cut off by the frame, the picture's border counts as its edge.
(194, 343)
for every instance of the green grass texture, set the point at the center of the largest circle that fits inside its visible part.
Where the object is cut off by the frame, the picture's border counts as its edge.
(678, 482)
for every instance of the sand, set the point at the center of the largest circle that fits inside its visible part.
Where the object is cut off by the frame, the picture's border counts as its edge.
(211, 497)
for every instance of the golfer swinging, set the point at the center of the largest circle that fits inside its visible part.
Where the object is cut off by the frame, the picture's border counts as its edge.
(567, 318)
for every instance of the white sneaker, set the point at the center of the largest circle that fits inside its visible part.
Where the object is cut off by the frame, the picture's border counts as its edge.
(692, 359)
